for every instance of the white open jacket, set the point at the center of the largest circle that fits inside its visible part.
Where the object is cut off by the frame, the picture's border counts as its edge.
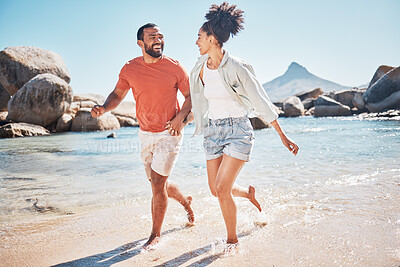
(240, 82)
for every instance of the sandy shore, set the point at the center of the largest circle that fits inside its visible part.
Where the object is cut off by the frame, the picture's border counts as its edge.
(113, 237)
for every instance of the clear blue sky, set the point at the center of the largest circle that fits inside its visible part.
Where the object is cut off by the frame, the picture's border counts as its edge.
(343, 40)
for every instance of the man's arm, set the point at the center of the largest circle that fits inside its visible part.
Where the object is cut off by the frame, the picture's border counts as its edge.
(112, 101)
(183, 117)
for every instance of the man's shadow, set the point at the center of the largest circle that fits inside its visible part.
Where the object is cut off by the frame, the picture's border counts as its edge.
(132, 249)
(111, 257)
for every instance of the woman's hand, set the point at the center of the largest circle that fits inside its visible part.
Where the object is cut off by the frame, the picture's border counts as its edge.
(287, 142)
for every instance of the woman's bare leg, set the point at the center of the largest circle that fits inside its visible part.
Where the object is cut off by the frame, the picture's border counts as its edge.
(225, 179)
(237, 191)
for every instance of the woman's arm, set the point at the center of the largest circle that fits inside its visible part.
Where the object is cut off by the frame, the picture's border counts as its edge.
(287, 142)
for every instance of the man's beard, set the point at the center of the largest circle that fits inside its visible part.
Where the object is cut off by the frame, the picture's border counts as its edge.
(149, 50)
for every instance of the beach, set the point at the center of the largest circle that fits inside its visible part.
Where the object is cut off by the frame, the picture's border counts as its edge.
(312, 236)
(335, 204)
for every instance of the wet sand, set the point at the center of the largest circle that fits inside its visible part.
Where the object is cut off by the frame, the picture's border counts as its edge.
(307, 235)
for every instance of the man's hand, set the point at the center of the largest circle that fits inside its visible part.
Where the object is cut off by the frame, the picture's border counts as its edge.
(97, 111)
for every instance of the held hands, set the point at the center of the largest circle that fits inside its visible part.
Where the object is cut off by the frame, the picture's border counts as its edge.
(287, 142)
(175, 126)
(97, 111)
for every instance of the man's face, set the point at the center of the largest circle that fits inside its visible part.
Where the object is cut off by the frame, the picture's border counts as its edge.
(153, 41)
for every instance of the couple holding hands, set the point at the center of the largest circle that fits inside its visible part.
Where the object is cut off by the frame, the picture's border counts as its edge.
(220, 95)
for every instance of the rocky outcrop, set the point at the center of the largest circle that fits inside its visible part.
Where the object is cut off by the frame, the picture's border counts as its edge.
(325, 106)
(84, 122)
(345, 97)
(126, 114)
(126, 109)
(21, 129)
(308, 103)
(3, 115)
(85, 101)
(95, 98)
(293, 107)
(40, 101)
(127, 122)
(382, 70)
(310, 94)
(4, 98)
(391, 114)
(18, 65)
(64, 123)
(358, 101)
(385, 93)
(258, 124)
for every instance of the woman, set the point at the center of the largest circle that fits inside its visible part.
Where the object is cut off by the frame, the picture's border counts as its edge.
(224, 92)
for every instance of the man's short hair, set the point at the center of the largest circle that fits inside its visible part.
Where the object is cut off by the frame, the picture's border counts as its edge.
(140, 31)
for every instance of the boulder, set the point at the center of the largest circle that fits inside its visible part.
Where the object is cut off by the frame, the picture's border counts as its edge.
(382, 70)
(64, 123)
(18, 65)
(325, 106)
(344, 97)
(391, 114)
(385, 93)
(126, 114)
(73, 109)
(126, 109)
(310, 94)
(4, 98)
(21, 129)
(279, 104)
(86, 104)
(293, 107)
(310, 112)
(84, 122)
(358, 101)
(40, 101)
(98, 99)
(127, 121)
(308, 103)
(3, 115)
(258, 124)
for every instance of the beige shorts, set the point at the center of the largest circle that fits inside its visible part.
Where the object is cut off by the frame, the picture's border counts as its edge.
(159, 151)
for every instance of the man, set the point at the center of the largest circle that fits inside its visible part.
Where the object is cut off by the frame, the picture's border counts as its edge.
(155, 80)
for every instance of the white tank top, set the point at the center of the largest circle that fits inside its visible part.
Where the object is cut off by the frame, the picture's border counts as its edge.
(221, 105)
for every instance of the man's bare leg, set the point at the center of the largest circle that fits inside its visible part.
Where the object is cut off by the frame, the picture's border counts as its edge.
(159, 205)
(175, 193)
(250, 194)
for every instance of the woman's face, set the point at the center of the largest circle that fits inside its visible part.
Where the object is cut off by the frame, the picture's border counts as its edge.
(204, 42)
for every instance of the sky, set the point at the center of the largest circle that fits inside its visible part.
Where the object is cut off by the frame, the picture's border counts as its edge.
(343, 41)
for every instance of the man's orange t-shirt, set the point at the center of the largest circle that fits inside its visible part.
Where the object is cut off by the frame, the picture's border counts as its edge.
(155, 87)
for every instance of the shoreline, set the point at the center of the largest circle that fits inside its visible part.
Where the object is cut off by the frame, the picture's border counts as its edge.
(114, 236)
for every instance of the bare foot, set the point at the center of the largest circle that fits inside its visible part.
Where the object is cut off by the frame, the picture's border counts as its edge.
(151, 243)
(231, 248)
(188, 209)
(252, 198)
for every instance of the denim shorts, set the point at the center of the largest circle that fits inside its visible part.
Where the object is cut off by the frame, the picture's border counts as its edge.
(231, 136)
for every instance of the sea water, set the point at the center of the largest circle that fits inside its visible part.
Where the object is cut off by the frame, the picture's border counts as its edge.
(73, 173)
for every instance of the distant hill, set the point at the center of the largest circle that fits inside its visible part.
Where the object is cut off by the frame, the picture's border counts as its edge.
(296, 80)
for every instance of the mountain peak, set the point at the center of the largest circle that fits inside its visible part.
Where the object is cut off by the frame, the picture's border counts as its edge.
(295, 80)
(297, 70)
